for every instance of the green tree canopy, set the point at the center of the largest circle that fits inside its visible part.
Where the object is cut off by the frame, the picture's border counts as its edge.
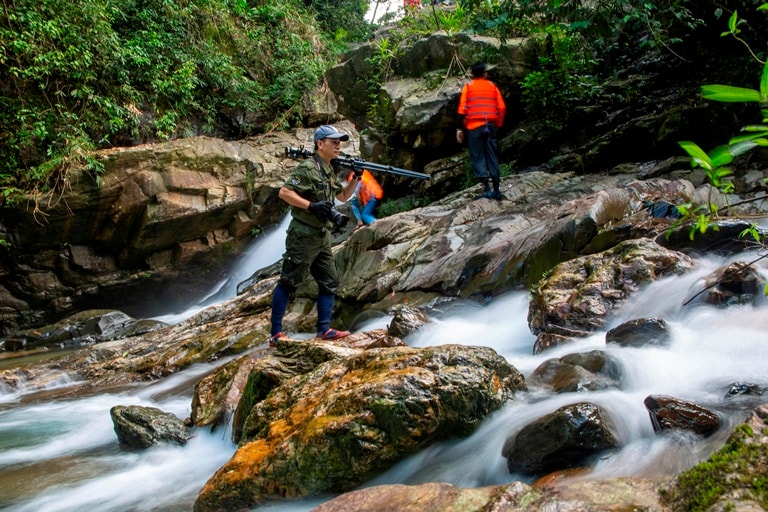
(82, 74)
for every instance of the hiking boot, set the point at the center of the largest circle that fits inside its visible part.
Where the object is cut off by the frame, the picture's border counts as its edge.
(485, 195)
(273, 339)
(332, 334)
(497, 195)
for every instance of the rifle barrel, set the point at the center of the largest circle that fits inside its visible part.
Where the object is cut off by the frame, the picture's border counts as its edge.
(356, 163)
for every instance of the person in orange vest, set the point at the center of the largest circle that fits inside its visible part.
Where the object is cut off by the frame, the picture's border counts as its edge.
(368, 194)
(412, 4)
(481, 113)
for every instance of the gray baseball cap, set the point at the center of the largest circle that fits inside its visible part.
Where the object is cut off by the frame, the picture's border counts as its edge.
(329, 132)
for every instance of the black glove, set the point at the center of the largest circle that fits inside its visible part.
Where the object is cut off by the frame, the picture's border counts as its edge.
(321, 208)
(358, 172)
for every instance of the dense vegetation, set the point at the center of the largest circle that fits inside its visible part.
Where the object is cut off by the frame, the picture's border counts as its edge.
(84, 74)
(79, 75)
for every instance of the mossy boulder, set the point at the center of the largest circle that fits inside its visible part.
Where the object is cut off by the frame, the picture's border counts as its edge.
(346, 421)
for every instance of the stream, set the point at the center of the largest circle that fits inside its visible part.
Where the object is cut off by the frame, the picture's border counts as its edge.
(59, 453)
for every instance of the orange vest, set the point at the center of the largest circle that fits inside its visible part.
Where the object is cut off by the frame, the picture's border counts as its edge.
(368, 188)
(481, 103)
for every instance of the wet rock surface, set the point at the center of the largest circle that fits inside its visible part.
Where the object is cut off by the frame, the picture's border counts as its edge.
(139, 427)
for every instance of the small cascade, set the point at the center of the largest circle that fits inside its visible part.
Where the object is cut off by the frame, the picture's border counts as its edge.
(265, 251)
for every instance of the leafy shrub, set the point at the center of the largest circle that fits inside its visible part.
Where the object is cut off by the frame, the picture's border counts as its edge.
(563, 80)
(344, 19)
(92, 73)
(584, 42)
(716, 162)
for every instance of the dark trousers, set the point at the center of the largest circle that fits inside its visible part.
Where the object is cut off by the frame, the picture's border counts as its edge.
(483, 152)
(307, 251)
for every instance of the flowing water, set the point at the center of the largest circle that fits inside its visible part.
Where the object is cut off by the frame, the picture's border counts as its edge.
(60, 453)
(265, 251)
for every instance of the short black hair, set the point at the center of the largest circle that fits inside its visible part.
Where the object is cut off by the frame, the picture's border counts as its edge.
(478, 69)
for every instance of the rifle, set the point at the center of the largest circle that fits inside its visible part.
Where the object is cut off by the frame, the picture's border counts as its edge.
(360, 164)
(357, 164)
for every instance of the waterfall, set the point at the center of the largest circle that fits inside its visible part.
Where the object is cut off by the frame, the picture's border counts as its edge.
(60, 453)
(265, 251)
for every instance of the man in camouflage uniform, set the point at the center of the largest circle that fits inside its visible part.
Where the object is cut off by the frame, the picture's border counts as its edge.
(310, 190)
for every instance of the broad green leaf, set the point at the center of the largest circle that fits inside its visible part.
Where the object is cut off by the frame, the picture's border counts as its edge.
(764, 83)
(732, 22)
(742, 147)
(728, 93)
(721, 155)
(751, 231)
(756, 128)
(763, 7)
(746, 137)
(696, 152)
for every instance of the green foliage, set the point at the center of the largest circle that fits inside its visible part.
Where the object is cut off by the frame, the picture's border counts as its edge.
(452, 21)
(87, 74)
(564, 78)
(404, 204)
(699, 219)
(422, 22)
(505, 169)
(752, 232)
(715, 163)
(583, 42)
(415, 23)
(380, 65)
(739, 468)
(754, 135)
(344, 19)
(604, 26)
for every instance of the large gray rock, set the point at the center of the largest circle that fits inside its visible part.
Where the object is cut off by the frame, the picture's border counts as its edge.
(589, 371)
(576, 298)
(141, 427)
(462, 247)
